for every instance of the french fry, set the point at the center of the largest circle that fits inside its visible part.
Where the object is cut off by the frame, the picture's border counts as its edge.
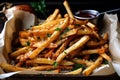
(49, 54)
(92, 26)
(105, 36)
(81, 22)
(42, 68)
(78, 71)
(25, 56)
(95, 43)
(93, 51)
(65, 3)
(49, 67)
(59, 16)
(47, 61)
(62, 47)
(47, 25)
(69, 33)
(25, 33)
(19, 52)
(54, 15)
(56, 71)
(49, 40)
(78, 44)
(41, 32)
(40, 61)
(19, 64)
(83, 61)
(9, 67)
(66, 63)
(89, 69)
(104, 55)
(52, 45)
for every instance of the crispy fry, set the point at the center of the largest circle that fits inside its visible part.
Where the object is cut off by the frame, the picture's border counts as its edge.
(54, 15)
(24, 33)
(9, 67)
(89, 69)
(65, 3)
(78, 44)
(19, 64)
(52, 45)
(56, 71)
(49, 67)
(78, 71)
(83, 61)
(92, 26)
(49, 40)
(93, 51)
(47, 61)
(49, 54)
(40, 61)
(66, 63)
(62, 47)
(47, 25)
(95, 43)
(19, 52)
(59, 16)
(105, 36)
(69, 33)
(41, 68)
(104, 55)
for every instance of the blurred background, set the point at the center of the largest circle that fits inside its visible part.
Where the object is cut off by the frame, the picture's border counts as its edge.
(49, 6)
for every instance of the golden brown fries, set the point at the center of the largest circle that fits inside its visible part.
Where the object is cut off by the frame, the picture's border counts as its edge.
(59, 44)
(78, 71)
(75, 46)
(65, 3)
(89, 69)
(9, 67)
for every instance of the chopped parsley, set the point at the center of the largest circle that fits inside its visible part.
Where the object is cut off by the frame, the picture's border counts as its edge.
(105, 61)
(65, 52)
(48, 35)
(66, 30)
(77, 66)
(58, 29)
(27, 43)
(55, 64)
(77, 24)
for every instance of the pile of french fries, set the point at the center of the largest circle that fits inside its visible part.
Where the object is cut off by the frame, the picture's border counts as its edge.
(58, 44)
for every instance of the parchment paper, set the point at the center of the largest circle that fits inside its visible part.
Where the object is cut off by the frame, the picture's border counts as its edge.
(19, 20)
(113, 28)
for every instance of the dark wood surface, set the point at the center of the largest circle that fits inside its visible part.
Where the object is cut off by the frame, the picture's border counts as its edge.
(100, 5)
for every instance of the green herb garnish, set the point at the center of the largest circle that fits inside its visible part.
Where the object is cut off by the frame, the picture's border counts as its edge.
(58, 29)
(66, 30)
(105, 61)
(39, 7)
(65, 52)
(27, 43)
(77, 66)
(48, 35)
(77, 24)
(55, 64)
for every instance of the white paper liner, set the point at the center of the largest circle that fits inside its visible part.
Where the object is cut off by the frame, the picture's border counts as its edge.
(114, 37)
(28, 20)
